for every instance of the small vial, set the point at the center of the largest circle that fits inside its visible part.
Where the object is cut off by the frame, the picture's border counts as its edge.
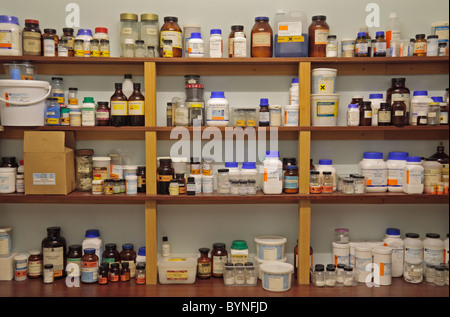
(250, 274)
(359, 183)
(348, 186)
(234, 187)
(140, 274)
(330, 275)
(251, 187)
(327, 182)
(102, 277)
(167, 49)
(243, 187)
(139, 50)
(62, 48)
(239, 274)
(150, 51)
(349, 277)
(439, 277)
(315, 185)
(340, 274)
(94, 48)
(128, 50)
(104, 48)
(332, 46)
(48, 273)
(228, 274)
(319, 275)
(430, 272)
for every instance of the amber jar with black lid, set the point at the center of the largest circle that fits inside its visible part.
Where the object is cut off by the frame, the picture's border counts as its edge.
(365, 114)
(35, 264)
(32, 38)
(399, 91)
(399, 113)
(204, 264)
(165, 175)
(136, 103)
(119, 107)
(68, 35)
(125, 272)
(261, 38)
(181, 183)
(385, 114)
(420, 45)
(292, 173)
(219, 256)
(74, 255)
(103, 272)
(234, 29)
(114, 272)
(171, 31)
(52, 33)
(318, 33)
(111, 254)
(54, 251)
(103, 114)
(128, 255)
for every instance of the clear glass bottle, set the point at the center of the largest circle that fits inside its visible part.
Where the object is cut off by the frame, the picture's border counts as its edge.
(129, 30)
(181, 115)
(223, 181)
(439, 277)
(128, 48)
(228, 274)
(104, 48)
(413, 271)
(139, 49)
(332, 46)
(150, 32)
(95, 48)
(434, 113)
(349, 277)
(315, 184)
(330, 275)
(319, 275)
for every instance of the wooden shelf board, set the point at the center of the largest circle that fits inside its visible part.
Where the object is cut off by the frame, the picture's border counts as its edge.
(214, 287)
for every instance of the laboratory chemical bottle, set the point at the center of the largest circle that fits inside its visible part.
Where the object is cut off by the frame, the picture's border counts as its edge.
(291, 34)
(165, 246)
(54, 251)
(261, 38)
(119, 107)
(136, 105)
(127, 85)
(204, 264)
(318, 33)
(394, 30)
(92, 240)
(397, 245)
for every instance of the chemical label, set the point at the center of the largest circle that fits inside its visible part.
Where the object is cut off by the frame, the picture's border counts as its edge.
(119, 108)
(375, 177)
(276, 281)
(395, 177)
(291, 39)
(411, 253)
(261, 39)
(89, 272)
(291, 182)
(136, 108)
(414, 178)
(385, 269)
(5, 39)
(433, 256)
(15, 97)
(177, 275)
(327, 108)
(44, 179)
(54, 256)
(321, 36)
(175, 36)
(290, 29)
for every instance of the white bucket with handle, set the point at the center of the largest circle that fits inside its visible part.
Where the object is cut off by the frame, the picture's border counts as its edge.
(22, 102)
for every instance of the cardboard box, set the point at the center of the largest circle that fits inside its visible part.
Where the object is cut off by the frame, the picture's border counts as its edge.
(49, 162)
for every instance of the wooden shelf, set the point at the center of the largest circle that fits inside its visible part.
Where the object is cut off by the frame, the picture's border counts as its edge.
(260, 198)
(213, 288)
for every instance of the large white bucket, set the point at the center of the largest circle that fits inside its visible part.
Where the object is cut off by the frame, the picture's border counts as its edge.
(22, 102)
(324, 109)
(323, 81)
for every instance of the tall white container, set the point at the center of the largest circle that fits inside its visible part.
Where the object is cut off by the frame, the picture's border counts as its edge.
(363, 258)
(433, 249)
(397, 245)
(273, 173)
(413, 176)
(382, 259)
(341, 253)
(419, 105)
(92, 240)
(413, 247)
(396, 163)
(375, 170)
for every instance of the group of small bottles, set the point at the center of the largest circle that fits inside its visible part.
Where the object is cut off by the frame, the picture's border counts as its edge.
(84, 44)
(333, 275)
(399, 109)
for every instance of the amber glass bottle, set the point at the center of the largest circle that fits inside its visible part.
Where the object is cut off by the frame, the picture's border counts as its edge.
(119, 107)
(204, 264)
(261, 38)
(136, 103)
(54, 251)
(398, 91)
(68, 35)
(318, 33)
(52, 33)
(32, 38)
(420, 45)
(128, 255)
(384, 114)
(111, 254)
(219, 257)
(172, 31)
(291, 179)
(165, 175)
(399, 113)
(365, 114)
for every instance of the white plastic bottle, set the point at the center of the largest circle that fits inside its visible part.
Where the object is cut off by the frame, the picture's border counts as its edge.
(397, 245)
(273, 173)
(396, 163)
(217, 110)
(375, 170)
(376, 100)
(239, 45)
(353, 115)
(92, 240)
(327, 165)
(10, 36)
(294, 92)
(413, 247)
(215, 44)
(394, 30)
(413, 176)
(166, 250)
(419, 105)
(433, 249)
(127, 85)
(141, 257)
(195, 45)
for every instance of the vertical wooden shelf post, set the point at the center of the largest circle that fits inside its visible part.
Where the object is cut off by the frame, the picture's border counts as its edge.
(151, 242)
(304, 150)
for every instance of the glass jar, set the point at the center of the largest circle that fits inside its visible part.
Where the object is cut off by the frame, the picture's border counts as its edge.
(439, 277)
(330, 275)
(261, 38)
(291, 179)
(181, 115)
(228, 274)
(129, 30)
(234, 29)
(219, 256)
(108, 186)
(104, 48)
(139, 49)
(380, 44)
(78, 48)
(349, 277)
(318, 33)
(327, 182)
(341, 235)
(50, 38)
(420, 45)
(151, 52)
(140, 274)
(125, 272)
(361, 45)
(142, 179)
(315, 184)
(348, 186)
(204, 264)
(434, 113)
(251, 187)
(150, 32)
(102, 114)
(239, 117)
(239, 274)
(54, 251)
(52, 112)
(68, 35)
(165, 175)
(251, 117)
(103, 272)
(48, 274)
(94, 48)
(399, 113)
(365, 118)
(128, 48)
(128, 255)
(332, 46)
(340, 273)
(384, 114)
(32, 37)
(430, 272)
(195, 115)
(413, 271)
(89, 266)
(73, 257)
(84, 169)
(398, 91)
(57, 89)
(111, 254)
(171, 31)
(223, 181)
(114, 272)
(35, 264)
(234, 187)
(359, 184)
(319, 275)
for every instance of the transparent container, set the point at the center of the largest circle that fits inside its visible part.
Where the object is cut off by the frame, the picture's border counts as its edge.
(319, 276)
(413, 271)
(341, 235)
(139, 49)
(292, 24)
(434, 113)
(223, 178)
(150, 32)
(84, 169)
(129, 29)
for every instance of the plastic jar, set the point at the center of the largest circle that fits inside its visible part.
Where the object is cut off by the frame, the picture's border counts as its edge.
(382, 258)
(7, 180)
(419, 105)
(433, 249)
(353, 115)
(432, 45)
(363, 258)
(5, 241)
(88, 112)
(341, 235)
(375, 170)
(432, 174)
(249, 171)
(217, 110)
(86, 36)
(327, 165)
(397, 245)
(294, 92)
(131, 187)
(10, 36)
(332, 46)
(376, 100)
(348, 47)
(101, 167)
(413, 175)
(396, 163)
(196, 45)
(215, 44)
(239, 252)
(341, 253)
(273, 171)
(413, 247)
(290, 115)
(92, 240)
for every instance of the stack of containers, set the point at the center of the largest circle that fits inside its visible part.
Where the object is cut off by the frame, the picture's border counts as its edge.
(324, 100)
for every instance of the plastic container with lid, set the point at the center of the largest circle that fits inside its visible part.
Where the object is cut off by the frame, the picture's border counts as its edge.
(413, 176)
(7, 180)
(10, 36)
(432, 175)
(341, 253)
(273, 173)
(86, 36)
(397, 245)
(217, 110)
(5, 241)
(215, 43)
(363, 258)
(324, 109)
(382, 258)
(419, 105)
(177, 269)
(249, 171)
(413, 247)
(323, 81)
(291, 34)
(276, 276)
(92, 240)
(327, 165)
(239, 252)
(233, 170)
(395, 164)
(101, 33)
(433, 249)
(294, 92)
(195, 45)
(375, 100)
(270, 248)
(375, 170)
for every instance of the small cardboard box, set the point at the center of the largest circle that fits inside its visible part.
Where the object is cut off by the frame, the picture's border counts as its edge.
(49, 162)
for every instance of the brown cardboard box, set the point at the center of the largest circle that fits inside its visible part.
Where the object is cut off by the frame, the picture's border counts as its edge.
(49, 162)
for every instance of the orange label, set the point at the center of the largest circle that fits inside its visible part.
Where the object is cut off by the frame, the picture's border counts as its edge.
(393, 182)
(114, 278)
(381, 269)
(327, 189)
(407, 177)
(369, 182)
(21, 273)
(140, 280)
(315, 189)
(89, 264)
(165, 178)
(102, 280)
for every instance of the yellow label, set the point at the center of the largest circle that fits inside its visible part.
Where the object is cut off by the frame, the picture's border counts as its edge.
(180, 275)
(287, 39)
(119, 108)
(79, 53)
(104, 53)
(52, 120)
(95, 53)
(136, 107)
(177, 259)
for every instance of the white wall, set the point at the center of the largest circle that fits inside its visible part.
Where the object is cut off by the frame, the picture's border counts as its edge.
(191, 227)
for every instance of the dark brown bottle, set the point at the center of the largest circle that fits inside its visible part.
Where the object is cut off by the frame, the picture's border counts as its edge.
(54, 252)
(142, 180)
(111, 254)
(318, 32)
(365, 114)
(128, 255)
(204, 264)
(385, 114)
(68, 35)
(398, 91)
(102, 114)
(136, 103)
(399, 113)
(32, 38)
(357, 100)
(171, 31)
(234, 29)
(9, 161)
(261, 38)
(119, 107)
(165, 175)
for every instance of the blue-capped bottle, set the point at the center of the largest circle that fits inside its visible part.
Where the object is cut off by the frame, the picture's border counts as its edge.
(264, 114)
(89, 266)
(361, 45)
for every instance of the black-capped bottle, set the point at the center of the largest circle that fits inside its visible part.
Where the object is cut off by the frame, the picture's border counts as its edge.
(119, 107)
(136, 103)
(54, 252)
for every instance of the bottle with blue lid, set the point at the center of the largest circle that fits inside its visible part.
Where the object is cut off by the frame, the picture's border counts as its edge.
(89, 266)
(326, 165)
(374, 169)
(10, 36)
(233, 170)
(215, 43)
(413, 175)
(396, 243)
(396, 163)
(264, 113)
(419, 105)
(249, 171)
(195, 45)
(92, 240)
(273, 173)
(217, 110)
(86, 36)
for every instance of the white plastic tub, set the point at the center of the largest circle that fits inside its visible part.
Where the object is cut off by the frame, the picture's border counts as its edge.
(324, 109)
(270, 248)
(177, 269)
(22, 102)
(323, 81)
(276, 276)
(259, 262)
